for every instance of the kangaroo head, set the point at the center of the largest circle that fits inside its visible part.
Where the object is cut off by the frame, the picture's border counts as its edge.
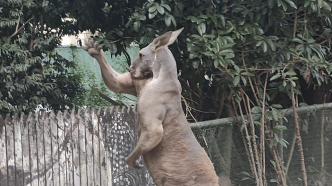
(142, 67)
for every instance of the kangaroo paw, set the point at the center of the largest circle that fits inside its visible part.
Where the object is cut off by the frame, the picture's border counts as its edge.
(93, 47)
(133, 163)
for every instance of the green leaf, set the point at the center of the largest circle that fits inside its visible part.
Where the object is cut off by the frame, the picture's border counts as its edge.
(291, 3)
(307, 3)
(214, 19)
(225, 51)
(280, 127)
(258, 123)
(277, 106)
(284, 5)
(326, 6)
(168, 21)
(222, 62)
(273, 163)
(272, 45)
(256, 110)
(229, 30)
(152, 15)
(264, 47)
(236, 80)
(260, 31)
(269, 115)
(246, 173)
(293, 78)
(167, 7)
(192, 56)
(283, 143)
(259, 43)
(192, 19)
(223, 23)
(173, 20)
(320, 3)
(161, 10)
(142, 17)
(245, 178)
(297, 40)
(238, 9)
(276, 76)
(237, 69)
(290, 73)
(203, 28)
(313, 7)
(273, 38)
(320, 54)
(279, 2)
(152, 9)
(136, 25)
(237, 100)
(216, 63)
(247, 74)
(271, 3)
(293, 83)
(258, 37)
(244, 80)
(276, 137)
(199, 29)
(284, 83)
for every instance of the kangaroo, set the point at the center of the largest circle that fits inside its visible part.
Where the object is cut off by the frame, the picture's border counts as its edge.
(169, 148)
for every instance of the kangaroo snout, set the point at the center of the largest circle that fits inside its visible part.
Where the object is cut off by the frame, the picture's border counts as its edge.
(131, 69)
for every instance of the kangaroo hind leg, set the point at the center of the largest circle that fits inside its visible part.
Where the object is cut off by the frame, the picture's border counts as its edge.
(151, 133)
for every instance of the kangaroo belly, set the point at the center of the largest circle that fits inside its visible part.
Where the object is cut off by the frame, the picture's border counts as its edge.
(179, 160)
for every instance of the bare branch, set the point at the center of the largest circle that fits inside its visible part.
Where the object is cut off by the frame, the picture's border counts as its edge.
(108, 99)
(250, 148)
(18, 20)
(251, 85)
(262, 133)
(299, 139)
(17, 30)
(127, 57)
(254, 143)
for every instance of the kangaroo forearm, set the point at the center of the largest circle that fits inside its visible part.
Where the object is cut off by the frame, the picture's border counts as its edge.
(116, 82)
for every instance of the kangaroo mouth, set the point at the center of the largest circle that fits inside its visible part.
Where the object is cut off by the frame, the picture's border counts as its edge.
(142, 75)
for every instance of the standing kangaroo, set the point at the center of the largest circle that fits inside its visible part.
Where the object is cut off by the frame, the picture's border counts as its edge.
(170, 150)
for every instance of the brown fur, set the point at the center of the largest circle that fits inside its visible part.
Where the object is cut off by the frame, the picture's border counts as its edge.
(170, 150)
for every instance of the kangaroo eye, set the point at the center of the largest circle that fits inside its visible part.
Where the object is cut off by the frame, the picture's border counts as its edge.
(141, 55)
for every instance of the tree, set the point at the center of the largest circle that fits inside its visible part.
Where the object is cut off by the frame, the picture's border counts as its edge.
(31, 72)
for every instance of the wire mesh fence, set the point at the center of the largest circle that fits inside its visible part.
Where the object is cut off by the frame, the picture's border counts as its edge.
(224, 143)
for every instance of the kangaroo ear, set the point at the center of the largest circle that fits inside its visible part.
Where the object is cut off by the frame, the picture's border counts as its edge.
(166, 39)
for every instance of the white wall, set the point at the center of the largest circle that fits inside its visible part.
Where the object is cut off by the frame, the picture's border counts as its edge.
(68, 40)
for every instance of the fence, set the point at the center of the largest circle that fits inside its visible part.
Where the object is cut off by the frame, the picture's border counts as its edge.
(316, 132)
(89, 147)
(83, 148)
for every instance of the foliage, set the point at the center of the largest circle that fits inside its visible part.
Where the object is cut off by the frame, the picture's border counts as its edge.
(31, 72)
(225, 46)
